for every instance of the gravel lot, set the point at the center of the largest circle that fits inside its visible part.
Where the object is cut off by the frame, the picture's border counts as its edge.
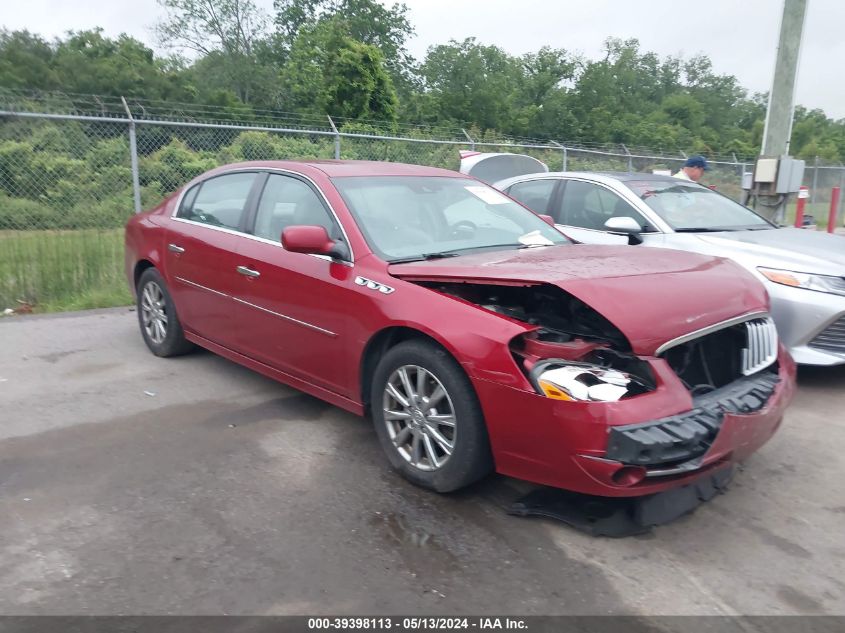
(135, 485)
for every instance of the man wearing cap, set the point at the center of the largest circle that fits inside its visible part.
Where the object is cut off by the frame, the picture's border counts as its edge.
(693, 169)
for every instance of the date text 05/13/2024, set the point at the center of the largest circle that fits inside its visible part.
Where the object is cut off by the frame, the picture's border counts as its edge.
(427, 623)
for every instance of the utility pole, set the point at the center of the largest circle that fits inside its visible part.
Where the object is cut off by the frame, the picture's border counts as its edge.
(780, 111)
(782, 96)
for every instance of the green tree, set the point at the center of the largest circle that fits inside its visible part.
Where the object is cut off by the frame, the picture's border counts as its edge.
(367, 21)
(330, 72)
(543, 73)
(90, 63)
(541, 102)
(358, 86)
(26, 62)
(626, 82)
(471, 82)
(684, 110)
(227, 31)
(814, 134)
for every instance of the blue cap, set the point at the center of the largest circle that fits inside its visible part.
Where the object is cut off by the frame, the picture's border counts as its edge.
(697, 161)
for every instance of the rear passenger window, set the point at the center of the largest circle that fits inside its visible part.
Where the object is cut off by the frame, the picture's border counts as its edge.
(219, 201)
(534, 194)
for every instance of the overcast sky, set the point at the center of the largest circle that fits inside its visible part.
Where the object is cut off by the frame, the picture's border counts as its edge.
(739, 36)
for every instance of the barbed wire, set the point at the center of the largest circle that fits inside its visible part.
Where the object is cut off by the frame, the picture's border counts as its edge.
(151, 110)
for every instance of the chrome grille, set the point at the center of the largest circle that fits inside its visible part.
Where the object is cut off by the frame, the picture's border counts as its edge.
(832, 339)
(762, 345)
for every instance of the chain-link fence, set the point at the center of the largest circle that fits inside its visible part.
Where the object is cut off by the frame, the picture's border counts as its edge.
(69, 179)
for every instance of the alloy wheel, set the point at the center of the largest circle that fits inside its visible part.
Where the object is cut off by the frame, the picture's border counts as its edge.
(154, 312)
(420, 417)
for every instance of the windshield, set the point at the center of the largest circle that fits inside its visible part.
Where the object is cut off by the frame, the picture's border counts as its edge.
(407, 218)
(688, 207)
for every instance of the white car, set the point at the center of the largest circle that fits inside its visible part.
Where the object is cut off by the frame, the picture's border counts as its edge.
(804, 271)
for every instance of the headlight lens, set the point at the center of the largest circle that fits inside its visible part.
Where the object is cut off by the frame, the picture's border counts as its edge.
(583, 382)
(819, 283)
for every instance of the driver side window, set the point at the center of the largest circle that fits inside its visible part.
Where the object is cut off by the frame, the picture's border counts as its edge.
(287, 201)
(588, 206)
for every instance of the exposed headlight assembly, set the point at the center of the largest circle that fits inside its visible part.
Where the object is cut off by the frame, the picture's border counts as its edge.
(584, 382)
(819, 283)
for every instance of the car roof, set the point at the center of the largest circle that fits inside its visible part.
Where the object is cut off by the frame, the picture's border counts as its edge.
(600, 176)
(341, 168)
(627, 176)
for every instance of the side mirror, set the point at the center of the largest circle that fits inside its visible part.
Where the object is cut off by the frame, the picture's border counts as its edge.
(312, 240)
(547, 219)
(625, 226)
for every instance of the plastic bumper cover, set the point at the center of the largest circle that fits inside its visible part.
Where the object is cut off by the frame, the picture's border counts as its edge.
(687, 436)
(565, 444)
(802, 316)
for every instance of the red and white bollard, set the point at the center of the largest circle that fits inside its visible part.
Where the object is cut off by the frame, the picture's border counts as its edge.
(803, 194)
(834, 205)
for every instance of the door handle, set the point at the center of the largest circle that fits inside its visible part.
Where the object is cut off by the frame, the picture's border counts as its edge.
(174, 248)
(249, 272)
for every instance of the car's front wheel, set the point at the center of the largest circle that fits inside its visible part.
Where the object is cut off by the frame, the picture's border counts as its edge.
(157, 317)
(428, 418)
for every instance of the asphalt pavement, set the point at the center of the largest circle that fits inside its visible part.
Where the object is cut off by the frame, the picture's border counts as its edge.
(131, 484)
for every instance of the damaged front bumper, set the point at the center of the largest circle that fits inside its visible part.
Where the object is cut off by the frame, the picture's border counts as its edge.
(678, 443)
(594, 448)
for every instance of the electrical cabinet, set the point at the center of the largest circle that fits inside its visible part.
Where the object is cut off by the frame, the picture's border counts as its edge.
(776, 176)
(790, 175)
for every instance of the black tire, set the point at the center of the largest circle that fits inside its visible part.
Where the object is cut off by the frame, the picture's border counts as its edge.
(173, 343)
(470, 457)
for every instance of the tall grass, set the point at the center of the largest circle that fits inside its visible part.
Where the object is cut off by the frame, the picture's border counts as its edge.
(62, 270)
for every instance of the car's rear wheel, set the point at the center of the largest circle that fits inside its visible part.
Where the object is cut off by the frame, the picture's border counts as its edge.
(428, 419)
(157, 317)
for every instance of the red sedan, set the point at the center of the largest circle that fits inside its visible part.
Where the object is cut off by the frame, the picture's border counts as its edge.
(475, 335)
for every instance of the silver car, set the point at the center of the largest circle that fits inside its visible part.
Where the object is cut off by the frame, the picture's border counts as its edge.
(803, 270)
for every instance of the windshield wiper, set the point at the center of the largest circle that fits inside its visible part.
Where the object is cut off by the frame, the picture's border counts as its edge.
(473, 248)
(459, 251)
(423, 257)
(517, 245)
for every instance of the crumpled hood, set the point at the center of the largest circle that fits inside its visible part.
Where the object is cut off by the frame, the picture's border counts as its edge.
(652, 295)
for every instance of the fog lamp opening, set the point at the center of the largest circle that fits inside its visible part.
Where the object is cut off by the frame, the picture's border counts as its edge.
(629, 475)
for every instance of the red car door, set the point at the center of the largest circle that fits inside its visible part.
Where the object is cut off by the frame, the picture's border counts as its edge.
(201, 244)
(290, 307)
